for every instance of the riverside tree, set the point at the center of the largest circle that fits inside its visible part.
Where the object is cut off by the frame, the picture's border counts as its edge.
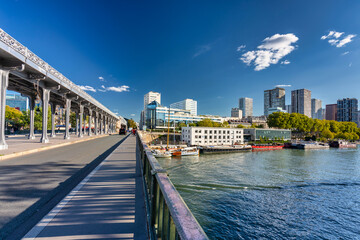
(328, 129)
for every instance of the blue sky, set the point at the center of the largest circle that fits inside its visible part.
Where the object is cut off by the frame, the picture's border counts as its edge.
(189, 49)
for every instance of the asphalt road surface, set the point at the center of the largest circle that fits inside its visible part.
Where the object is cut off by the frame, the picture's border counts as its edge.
(31, 185)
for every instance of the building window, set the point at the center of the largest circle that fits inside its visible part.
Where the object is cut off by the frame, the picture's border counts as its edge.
(210, 132)
(214, 131)
(224, 132)
(210, 137)
(205, 137)
(205, 131)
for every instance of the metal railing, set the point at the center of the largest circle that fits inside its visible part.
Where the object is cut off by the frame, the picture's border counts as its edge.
(168, 215)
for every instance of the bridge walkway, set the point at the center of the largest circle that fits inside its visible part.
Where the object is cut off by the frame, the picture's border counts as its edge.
(108, 204)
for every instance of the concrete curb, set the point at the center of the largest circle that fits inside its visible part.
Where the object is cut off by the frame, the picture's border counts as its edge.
(12, 155)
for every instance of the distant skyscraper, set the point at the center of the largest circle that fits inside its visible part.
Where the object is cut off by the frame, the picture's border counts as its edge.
(301, 101)
(236, 113)
(274, 98)
(151, 96)
(347, 110)
(187, 104)
(331, 112)
(316, 108)
(323, 112)
(288, 108)
(246, 106)
(17, 101)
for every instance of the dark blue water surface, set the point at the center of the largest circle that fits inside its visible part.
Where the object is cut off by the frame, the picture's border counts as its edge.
(283, 194)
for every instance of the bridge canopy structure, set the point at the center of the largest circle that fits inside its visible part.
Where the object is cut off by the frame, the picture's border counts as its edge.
(24, 72)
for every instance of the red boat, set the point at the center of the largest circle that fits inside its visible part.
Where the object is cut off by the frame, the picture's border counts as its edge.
(267, 147)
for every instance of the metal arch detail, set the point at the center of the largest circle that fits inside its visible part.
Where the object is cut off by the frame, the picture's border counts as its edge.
(50, 71)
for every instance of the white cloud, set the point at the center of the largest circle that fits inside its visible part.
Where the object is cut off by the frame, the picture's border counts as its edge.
(87, 88)
(283, 85)
(122, 88)
(101, 79)
(240, 48)
(270, 51)
(336, 40)
(350, 64)
(202, 49)
(133, 115)
(332, 34)
(285, 62)
(345, 53)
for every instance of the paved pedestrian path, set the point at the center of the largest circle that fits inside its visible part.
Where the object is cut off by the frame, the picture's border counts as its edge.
(19, 145)
(107, 204)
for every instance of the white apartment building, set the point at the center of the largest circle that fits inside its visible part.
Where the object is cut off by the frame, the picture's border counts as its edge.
(236, 113)
(211, 136)
(246, 106)
(187, 104)
(150, 97)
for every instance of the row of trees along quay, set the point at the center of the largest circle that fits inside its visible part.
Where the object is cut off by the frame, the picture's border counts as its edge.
(20, 120)
(303, 126)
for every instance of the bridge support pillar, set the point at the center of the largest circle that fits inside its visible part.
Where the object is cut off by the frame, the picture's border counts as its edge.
(53, 110)
(67, 118)
(45, 110)
(81, 117)
(84, 127)
(77, 124)
(96, 116)
(90, 120)
(32, 117)
(101, 124)
(4, 80)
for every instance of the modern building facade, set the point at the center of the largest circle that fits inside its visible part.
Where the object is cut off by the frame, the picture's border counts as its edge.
(316, 109)
(17, 101)
(347, 110)
(331, 112)
(274, 98)
(301, 102)
(246, 106)
(150, 97)
(210, 136)
(288, 108)
(256, 134)
(236, 113)
(157, 116)
(187, 104)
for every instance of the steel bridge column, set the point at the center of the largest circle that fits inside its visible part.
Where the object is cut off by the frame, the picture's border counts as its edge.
(4, 80)
(106, 125)
(45, 110)
(90, 119)
(32, 116)
(81, 116)
(96, 116)
(77, 124)
(67, 118)
(53, 110)
(84, 132)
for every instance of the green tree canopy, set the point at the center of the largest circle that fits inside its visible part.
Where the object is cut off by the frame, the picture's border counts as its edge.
(131, 123)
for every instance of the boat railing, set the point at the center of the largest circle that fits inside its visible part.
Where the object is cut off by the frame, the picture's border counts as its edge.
(168, 215)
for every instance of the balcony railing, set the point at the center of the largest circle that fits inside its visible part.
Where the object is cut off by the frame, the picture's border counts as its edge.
(168, 215)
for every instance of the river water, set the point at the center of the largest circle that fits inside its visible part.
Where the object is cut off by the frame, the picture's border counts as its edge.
(281, 194)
